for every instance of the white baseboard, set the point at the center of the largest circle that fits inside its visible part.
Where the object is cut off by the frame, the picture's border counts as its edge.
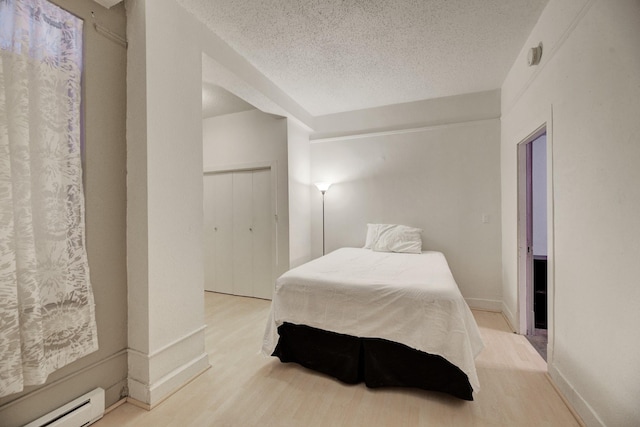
(155, 376)
(573, 399)
(115, 405)
(484, 304)
(150, 395)
(508, 315)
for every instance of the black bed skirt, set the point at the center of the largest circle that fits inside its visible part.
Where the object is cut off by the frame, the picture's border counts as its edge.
(374, 361)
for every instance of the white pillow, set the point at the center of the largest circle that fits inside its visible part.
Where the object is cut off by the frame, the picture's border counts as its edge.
(394, 238)
(372, 235)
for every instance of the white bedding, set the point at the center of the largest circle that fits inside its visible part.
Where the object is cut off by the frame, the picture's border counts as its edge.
(411, 299)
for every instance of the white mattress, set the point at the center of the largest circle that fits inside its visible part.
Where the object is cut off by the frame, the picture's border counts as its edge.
(411, 299)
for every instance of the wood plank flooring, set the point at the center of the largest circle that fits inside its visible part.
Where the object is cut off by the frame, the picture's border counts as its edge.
(243, 388)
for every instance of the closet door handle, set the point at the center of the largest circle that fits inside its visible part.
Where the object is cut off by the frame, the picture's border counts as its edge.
(250, 228)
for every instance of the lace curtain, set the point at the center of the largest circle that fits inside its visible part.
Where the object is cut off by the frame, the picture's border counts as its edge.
(47, 315)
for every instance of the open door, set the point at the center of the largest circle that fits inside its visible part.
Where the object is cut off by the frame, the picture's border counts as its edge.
(525, 237)
(532, 238)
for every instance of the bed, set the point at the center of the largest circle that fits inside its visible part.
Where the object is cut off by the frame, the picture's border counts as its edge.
(382, 318)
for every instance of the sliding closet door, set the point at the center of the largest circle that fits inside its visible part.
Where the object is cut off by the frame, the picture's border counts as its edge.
(238, 233)
(261, 231)
(242, 233)
(218, 232)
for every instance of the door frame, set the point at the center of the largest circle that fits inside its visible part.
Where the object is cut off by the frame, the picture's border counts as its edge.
(272, 166)
(525, 294)
(525, 233)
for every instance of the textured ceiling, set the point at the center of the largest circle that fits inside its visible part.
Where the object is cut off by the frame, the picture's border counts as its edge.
(217, 101)
(341, 55)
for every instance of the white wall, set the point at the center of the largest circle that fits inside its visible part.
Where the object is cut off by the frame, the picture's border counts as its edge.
(164, 215)
(587, 89)
(299, 159)
(443, 179)
(247, 139)
(104, 104)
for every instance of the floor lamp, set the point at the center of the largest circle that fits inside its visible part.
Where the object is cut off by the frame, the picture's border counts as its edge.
(323, 187)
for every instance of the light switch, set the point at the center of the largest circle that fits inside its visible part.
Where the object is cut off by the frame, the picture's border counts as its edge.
(486, 219)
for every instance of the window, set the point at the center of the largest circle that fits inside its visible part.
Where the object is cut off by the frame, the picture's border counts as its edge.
(46, 301)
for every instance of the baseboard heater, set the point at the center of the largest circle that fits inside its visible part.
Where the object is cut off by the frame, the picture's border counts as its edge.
(80, 412)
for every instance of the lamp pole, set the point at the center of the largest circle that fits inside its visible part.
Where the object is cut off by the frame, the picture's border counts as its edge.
(323, 220)
(323, 187)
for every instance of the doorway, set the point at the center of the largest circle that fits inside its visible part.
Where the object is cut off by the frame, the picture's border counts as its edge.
(532, 236)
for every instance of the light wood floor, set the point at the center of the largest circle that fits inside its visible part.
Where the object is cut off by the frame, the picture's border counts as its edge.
(244, 388)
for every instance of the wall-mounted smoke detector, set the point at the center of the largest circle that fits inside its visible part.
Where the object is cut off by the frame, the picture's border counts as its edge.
(535, 53)
(107, 3)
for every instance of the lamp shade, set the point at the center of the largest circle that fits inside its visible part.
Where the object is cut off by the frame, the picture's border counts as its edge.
(323, 186)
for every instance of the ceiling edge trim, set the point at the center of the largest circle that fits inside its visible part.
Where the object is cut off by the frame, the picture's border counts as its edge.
(400, 131)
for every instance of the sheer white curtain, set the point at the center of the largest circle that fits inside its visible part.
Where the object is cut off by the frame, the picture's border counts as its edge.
(47, 315)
